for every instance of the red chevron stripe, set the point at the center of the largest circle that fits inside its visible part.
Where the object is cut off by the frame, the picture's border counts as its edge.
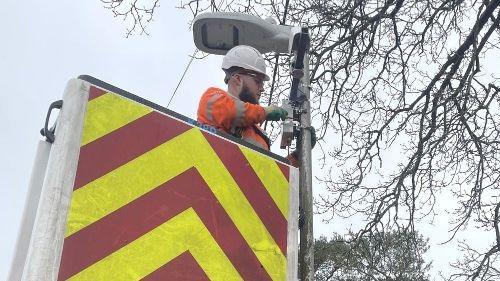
(285, 170)
(252, 187)
(182, 268)
(95, 92)
(120, 146)
(121, 227)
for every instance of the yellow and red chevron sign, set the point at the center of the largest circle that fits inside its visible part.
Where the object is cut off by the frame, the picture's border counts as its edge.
(156, 198)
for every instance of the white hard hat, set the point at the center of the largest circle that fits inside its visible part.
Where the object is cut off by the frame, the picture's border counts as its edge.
(247, 58)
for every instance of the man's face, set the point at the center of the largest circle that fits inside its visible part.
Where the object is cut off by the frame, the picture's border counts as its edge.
(247, 96)
(251, 89)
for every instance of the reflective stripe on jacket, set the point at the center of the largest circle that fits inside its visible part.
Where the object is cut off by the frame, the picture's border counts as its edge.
(233, 116)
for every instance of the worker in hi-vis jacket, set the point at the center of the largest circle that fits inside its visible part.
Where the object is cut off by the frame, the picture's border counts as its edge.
(237, 110)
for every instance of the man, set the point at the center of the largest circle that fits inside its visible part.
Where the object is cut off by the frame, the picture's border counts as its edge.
(237, 111)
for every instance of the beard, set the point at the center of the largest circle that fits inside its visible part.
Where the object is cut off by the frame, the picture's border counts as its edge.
(247, 96)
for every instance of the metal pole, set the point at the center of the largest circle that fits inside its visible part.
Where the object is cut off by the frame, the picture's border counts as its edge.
(29, 213)
(306, 251)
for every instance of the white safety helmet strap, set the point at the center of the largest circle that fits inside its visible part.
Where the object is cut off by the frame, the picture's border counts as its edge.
(245, 57)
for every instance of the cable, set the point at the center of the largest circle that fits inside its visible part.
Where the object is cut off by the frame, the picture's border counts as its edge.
(183, 74)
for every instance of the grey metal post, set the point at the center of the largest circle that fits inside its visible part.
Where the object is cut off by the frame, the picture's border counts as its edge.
(44, 253)
(306, 251)
(29, 213)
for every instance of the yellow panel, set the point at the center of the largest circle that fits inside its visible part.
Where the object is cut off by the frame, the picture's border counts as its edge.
(271, 176)
(100, 197)
(159, 246)
(102, 116)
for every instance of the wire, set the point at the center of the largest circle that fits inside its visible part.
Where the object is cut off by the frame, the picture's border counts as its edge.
(182, 78)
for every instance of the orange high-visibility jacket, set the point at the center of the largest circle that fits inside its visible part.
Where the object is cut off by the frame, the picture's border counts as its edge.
(227, 113)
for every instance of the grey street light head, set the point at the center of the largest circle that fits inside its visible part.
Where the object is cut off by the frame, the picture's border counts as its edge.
(217, 33)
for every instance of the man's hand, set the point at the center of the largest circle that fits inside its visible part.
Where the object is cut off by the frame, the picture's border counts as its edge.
(275, 113)
(295, 153)
(313, 137)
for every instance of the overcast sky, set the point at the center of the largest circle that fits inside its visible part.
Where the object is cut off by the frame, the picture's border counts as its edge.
(46, 43)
